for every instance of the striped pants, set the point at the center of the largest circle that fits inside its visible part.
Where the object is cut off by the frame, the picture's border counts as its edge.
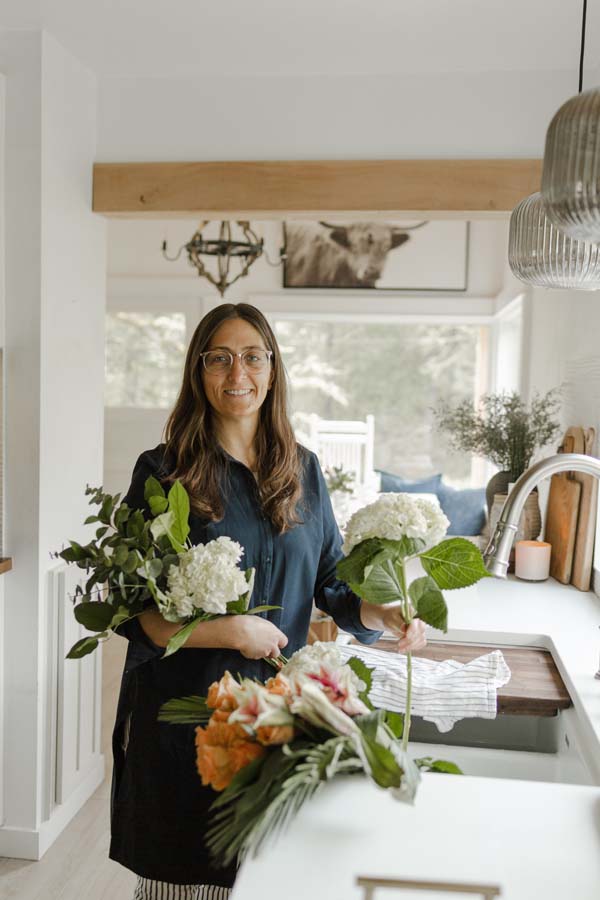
(146, 889)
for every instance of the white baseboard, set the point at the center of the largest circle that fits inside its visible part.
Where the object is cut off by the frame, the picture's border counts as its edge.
(32, 843)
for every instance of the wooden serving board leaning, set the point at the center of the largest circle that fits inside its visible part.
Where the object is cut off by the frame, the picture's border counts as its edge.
(583, 555)
(562, 513)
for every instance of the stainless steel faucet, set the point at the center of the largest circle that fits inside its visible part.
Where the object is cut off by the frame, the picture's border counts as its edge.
(498, 549)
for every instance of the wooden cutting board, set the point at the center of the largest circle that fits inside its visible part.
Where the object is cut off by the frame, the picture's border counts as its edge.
(561, 518)
(583, 555)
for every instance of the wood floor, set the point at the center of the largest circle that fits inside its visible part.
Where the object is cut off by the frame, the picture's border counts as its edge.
(76, 867)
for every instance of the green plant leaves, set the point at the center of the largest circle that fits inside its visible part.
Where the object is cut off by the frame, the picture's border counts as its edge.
(179, 505)
(454, 563)
(181, 636)
(352, 568)
(429, 602)
(185, 711)
(94, 615)
(384, 768)
(84, 646)
(366, 675)
(395, 722)
(429, 764)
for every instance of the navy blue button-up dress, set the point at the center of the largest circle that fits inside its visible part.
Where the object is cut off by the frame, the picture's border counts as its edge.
(159, 808)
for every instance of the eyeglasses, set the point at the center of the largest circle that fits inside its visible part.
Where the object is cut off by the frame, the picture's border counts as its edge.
(222, 360)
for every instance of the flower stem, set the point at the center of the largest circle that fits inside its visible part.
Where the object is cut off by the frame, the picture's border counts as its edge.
(407, 615)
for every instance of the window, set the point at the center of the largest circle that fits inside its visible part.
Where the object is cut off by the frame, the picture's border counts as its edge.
(145, 353)
(396, 371)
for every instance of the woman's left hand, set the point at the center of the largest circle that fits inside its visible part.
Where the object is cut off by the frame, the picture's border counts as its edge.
(389, 618)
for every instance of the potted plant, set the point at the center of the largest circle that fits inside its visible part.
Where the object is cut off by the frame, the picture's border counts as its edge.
(504, 430)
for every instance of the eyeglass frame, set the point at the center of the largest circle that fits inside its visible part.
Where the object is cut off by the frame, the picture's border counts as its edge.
(240, 355)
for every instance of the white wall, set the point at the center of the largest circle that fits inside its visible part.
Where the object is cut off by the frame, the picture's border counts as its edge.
(402, 115)
(565, 350)
(54, 343)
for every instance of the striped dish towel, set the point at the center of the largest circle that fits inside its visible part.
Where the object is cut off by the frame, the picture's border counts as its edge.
(442, 692)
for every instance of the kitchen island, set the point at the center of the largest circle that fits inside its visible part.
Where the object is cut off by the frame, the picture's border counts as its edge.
(533, 839)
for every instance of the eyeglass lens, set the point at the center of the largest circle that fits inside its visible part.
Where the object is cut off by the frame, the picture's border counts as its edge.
(221, 360)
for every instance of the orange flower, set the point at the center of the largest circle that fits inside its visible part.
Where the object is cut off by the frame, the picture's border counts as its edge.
(221, 751)
(274, 734)
(279, 685)
(220, 695)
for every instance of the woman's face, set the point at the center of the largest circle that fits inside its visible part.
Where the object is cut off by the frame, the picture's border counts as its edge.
(236, 392)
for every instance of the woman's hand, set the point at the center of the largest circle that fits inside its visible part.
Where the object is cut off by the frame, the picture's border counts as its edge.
(389, 618)
(256, 637)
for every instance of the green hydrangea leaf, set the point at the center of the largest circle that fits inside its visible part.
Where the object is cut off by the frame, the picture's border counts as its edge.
(454, 563)
(429, 602)
(352, 568)
(381, 584)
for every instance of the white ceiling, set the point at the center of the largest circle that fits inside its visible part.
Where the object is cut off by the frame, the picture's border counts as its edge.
(179, 38)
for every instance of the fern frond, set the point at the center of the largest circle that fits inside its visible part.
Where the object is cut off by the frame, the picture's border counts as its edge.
(185, 711)
(241, 833)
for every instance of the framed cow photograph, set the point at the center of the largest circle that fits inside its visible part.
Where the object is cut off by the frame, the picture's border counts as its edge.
(383, 256)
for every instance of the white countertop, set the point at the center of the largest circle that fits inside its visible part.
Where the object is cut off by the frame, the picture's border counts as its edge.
(534, 839)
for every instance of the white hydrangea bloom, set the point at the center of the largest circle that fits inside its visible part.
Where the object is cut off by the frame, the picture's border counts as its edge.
(206, 580)
(394, 516)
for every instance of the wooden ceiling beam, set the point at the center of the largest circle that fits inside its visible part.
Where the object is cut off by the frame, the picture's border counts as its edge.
(449, 188)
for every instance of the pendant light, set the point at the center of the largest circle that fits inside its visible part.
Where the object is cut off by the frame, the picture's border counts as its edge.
(225, 250)
(571, 172)
(544, 256)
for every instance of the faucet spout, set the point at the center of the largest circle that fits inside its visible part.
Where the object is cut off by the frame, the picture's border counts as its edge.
(498, 549)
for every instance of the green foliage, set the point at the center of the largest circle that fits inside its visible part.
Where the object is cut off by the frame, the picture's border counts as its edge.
(337, 479)
(185, 711)
(265, 795)
(429, 764)
(181, 636)
(429, 602)
(128, 560)
(503, 430)
(371, 569)
(362, 671)
(395, 722)
(454, 563)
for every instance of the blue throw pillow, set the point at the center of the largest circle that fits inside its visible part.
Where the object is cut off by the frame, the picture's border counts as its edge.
(465, 508)
(398, 485)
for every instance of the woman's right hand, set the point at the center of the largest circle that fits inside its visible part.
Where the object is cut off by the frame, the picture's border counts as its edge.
(256, 637)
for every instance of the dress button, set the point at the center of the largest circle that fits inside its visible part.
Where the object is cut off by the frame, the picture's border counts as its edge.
(268, 559)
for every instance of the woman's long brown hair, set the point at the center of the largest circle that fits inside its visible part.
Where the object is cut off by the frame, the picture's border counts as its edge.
(194, 454)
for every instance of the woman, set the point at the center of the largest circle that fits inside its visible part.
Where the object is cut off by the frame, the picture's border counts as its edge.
(229, 441)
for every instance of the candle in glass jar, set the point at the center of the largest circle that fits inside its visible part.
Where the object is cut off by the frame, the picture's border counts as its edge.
(532, 560)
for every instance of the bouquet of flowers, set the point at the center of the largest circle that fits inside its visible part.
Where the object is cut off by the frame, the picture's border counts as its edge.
(379, 541)
(268, 748)
(134, 561)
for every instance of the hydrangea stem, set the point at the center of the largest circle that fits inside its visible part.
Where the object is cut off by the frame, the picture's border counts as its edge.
(407, 615)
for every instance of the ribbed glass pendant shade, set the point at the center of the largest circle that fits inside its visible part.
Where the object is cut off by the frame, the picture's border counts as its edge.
(571, 174)
(542, 255)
